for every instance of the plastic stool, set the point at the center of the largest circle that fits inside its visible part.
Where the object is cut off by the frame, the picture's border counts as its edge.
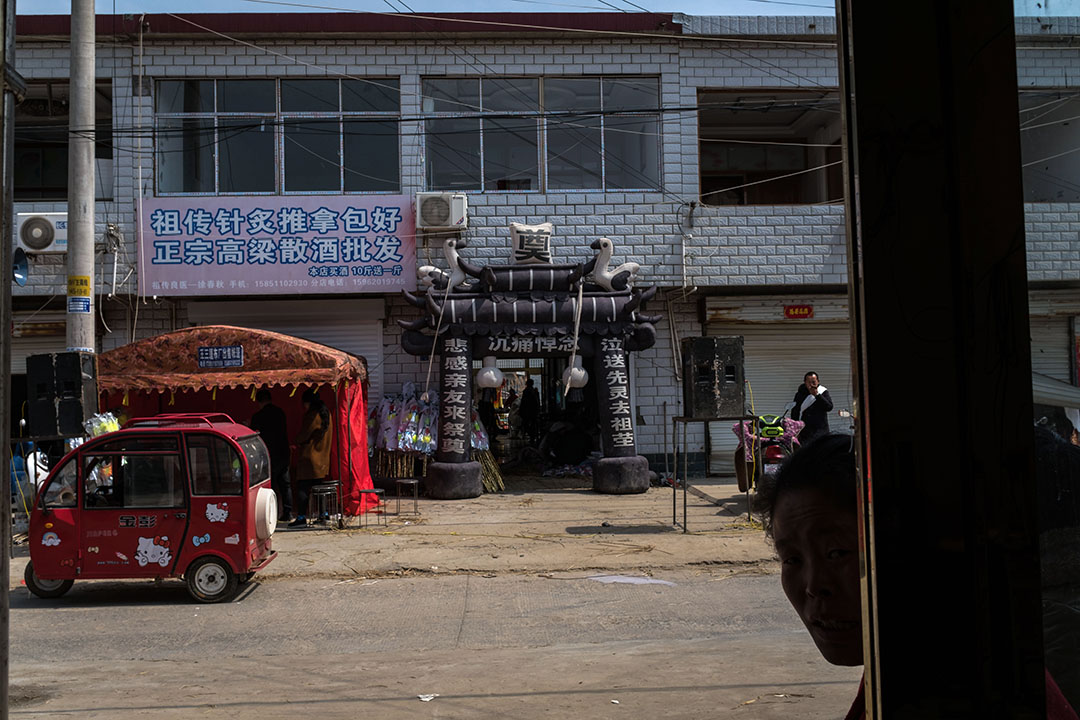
(378, 493)
(327, 501)
(415, 494)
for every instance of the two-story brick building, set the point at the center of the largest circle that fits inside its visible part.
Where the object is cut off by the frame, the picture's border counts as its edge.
(707, 148)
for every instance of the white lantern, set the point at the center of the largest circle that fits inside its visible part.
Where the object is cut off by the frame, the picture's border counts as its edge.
(575, 375)
(489, 375)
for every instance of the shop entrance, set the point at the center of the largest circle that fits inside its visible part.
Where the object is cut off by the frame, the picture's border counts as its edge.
(567, 427)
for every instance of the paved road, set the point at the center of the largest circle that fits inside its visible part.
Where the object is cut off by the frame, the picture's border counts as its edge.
(714, 644)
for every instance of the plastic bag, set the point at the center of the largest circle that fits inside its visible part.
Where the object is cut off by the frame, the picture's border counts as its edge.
(427, 433)
(388, 423)
(409, 426)
(478, 437)
(100, 424)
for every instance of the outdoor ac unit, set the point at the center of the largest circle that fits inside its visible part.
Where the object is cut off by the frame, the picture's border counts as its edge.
(38, 233)
(441, 211)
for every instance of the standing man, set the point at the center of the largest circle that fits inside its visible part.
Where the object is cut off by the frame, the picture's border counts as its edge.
(530, 411)
(812, 406)
(314, 441)
(269, 422)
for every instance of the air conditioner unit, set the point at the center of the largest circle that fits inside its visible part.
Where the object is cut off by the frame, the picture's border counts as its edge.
(38, 233)
(441, 211)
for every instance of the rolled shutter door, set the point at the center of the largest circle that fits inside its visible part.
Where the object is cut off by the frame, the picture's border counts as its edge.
(1051, 343)
(777, 355)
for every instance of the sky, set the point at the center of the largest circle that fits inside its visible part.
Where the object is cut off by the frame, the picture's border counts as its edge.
(692, 7)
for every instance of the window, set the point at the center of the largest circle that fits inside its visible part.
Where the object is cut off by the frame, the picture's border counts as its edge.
(236, 137)
(258, 460)
(762, 148)
(216, 467)
(136, 472)
(500, 134)
(1047, 143)
(62, 490)
(41, 141)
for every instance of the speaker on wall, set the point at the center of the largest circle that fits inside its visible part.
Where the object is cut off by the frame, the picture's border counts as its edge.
(713, 377)
(61, 392)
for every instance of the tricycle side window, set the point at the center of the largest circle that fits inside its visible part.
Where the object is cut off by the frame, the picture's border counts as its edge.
(135, 472)
(62, 490)
(216, 466)
(258, 460)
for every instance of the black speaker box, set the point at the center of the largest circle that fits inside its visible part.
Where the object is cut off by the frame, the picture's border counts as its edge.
(713, 377)
(61, 392)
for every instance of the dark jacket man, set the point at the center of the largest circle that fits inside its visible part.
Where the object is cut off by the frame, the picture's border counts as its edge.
(812, 405)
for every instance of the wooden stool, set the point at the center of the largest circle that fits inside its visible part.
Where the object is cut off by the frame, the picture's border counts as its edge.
(415, 494)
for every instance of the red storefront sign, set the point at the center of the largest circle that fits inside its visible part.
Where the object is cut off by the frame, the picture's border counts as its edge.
(798, 312)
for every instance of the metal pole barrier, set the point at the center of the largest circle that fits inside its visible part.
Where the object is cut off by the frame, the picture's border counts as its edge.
(674, 469)
(686, 475)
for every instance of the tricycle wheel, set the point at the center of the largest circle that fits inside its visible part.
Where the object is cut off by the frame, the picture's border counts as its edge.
(45, 588)
(211, 580)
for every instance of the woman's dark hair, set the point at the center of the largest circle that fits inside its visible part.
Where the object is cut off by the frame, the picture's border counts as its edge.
(826, 464)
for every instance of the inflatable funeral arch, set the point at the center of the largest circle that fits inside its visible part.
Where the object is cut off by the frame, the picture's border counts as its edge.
(531, 308)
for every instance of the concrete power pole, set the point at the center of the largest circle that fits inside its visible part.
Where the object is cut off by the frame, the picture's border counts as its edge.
(12, 84)
(81, 186)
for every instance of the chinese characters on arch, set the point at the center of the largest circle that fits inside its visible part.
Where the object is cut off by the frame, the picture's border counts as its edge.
(266, 245)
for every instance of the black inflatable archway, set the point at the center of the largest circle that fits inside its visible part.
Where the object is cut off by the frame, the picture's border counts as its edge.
(530, 310)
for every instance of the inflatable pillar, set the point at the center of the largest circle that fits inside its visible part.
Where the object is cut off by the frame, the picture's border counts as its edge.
(621, 470)
(453, 474)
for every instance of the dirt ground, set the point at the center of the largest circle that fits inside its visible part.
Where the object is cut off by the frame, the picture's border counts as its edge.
(537, 525)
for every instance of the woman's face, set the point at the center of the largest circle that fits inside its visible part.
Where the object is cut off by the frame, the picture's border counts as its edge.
(818, 544)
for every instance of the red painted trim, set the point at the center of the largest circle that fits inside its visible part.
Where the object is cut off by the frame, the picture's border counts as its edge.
(352, 23)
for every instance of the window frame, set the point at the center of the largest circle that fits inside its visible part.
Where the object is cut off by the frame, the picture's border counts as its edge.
(234, 448)
(544, 123)
(104, 146)
(55, 478)
(280, 120)
(772, 141)
(101, 451)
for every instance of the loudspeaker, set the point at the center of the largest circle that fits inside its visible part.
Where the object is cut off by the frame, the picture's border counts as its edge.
(713, 377)
(61, 393)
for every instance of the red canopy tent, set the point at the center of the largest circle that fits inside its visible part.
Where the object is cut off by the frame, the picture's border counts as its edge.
(164, 374)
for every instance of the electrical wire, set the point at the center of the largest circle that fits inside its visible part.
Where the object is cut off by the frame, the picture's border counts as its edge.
(1051, 157)
(546, 28)
(778, 177)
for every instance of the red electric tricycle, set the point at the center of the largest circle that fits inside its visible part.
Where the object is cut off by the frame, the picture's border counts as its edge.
(182, 495)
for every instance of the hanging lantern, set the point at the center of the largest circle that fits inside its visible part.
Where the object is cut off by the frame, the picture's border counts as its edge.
(489, 375)
(575, 376)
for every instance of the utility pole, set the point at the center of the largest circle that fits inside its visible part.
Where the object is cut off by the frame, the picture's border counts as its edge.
(81, 186)
(12, 85)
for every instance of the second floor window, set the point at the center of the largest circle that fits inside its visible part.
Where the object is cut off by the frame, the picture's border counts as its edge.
(277, 136)
(41, 141)
(505, 134)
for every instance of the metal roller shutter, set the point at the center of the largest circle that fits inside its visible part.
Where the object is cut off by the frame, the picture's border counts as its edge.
(1051, 342)
(34, 333)
(355, 326)
(777, 355)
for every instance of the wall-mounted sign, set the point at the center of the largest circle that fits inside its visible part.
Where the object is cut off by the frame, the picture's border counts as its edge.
(227, 356)
(275, 245)
(798, 312)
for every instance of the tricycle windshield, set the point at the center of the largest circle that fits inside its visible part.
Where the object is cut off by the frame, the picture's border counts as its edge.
(63, 486)
(258, 460)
